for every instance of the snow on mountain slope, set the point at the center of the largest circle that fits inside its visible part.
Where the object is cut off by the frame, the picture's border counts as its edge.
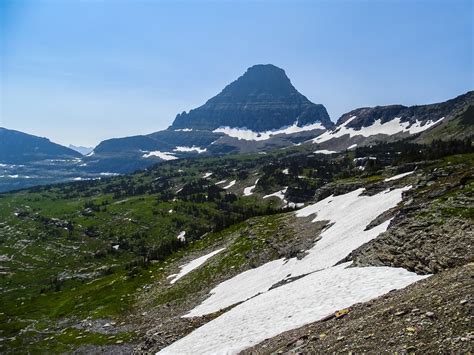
(228, 186)
(161, 155)
(388, 128)
(349, 214)
(184, 149)
(399, 176)
(249, 190)
(320, 289)
(246, 134)
(192, 265)
(290, 306)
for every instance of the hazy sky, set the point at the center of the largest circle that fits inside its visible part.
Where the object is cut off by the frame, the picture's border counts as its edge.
(83, 71)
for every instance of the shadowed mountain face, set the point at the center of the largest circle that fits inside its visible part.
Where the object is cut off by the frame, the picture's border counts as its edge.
(262, 99)
(17, 148)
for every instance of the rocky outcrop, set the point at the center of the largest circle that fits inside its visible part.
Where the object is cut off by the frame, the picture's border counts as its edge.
(260, 100)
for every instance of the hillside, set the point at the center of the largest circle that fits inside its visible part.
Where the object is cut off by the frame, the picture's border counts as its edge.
(115, 264)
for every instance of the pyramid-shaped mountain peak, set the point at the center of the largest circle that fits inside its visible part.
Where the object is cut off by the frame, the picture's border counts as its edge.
(262, 99)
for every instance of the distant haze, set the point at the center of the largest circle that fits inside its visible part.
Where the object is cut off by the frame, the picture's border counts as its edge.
(79, 72)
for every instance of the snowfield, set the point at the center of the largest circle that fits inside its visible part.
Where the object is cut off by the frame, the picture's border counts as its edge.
(161, 155)
(181, 236)
(388, 128)
(399, 176)
(249, 190)
(232, 183)
(321, 289)
(192, 265)
(198, 150)
(280, 194)
(325, 151)
(290, 306)
(248, 135)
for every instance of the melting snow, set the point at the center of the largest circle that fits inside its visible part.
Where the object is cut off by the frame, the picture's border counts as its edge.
(280, 194)
(206, 175)
(290, 306)
(232, 183)
(249, 190)
(247, 134)
(352, 146)
(388, 128)
(183, 130)
(190, 149)
(324, 151)
(399, 176)
(161, 155)
(181, 236)
(322, 289)
(187, 268)
(285, 171)
(221, 182)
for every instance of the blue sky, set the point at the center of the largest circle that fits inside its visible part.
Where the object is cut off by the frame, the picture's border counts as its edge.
(83, 71)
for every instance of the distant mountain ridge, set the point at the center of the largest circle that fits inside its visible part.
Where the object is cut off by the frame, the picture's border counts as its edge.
(18, 148)
(262, 99)
(81, 149)
(259, 112)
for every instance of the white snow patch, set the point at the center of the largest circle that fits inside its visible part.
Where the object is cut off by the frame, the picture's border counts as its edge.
(183, 130)
(161, 155)
(206, 175)
(247, 134)
(399, 176)
(352, 146)
(280, 194)
(190, 149)
(116, 247)
(349, 214)
(291, 306)
(322, 289)
(181, 236)
(249, 190)
(285, 171)
(187, 268)
(324, 151)
(221, 182)
(391, 127)
(228, 186)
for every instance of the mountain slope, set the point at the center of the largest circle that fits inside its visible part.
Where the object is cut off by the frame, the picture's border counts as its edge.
(18, 148)
(90, 266)
(260, 100)
(369, 125)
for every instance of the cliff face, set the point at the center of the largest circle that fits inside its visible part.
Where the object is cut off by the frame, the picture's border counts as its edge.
(262, 99)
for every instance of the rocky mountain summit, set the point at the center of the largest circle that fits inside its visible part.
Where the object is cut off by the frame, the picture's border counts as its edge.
(262, 99)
